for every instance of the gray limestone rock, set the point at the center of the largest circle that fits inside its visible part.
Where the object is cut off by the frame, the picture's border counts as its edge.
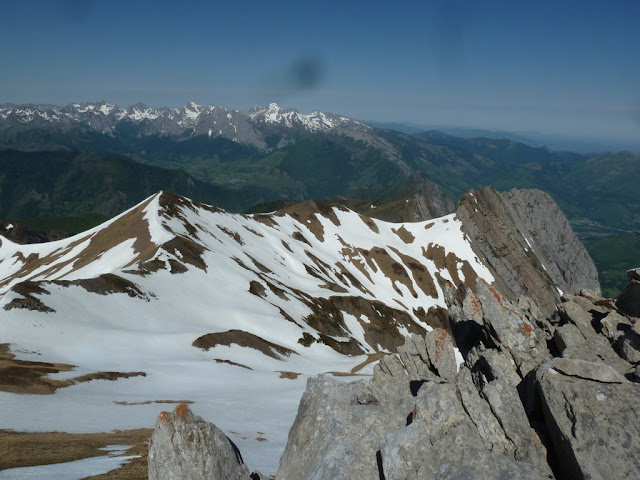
(507, 408)
(185, 447)
(391, 381)
(442, 441)
(636, 325)
(563, 256)
(511, 329)
(572, 312)
(585, 303)
(439, 346)
(336, 434)
(592, 422)
(567, 338)
(415, 358)
(480, 414)
(437, 413)
(613, 325)
(528, 243)
(599, 372)
(497, 365)
(630, 349)
(579, 340)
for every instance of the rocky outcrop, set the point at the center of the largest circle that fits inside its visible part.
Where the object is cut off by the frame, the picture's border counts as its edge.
(526, 403)
(417, 418)
(528, 243)
(423, 199)
(629, 301)
(525, 396)
(186, 447)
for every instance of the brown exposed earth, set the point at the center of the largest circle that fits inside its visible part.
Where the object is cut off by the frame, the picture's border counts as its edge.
(289, 375)
(18, 449)
(229, 362)
(29, 377)
(130, 225)
(28, 290)
(243, 339)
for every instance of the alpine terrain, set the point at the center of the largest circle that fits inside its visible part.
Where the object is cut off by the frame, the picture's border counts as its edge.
(237, 160)
(174, 301)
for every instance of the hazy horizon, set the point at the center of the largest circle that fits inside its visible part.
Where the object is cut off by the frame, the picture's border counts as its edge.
(569, 69)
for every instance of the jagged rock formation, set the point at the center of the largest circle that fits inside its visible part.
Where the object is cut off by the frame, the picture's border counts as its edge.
(410, 421)
(185, 447)
(528, 243)
(515, 409)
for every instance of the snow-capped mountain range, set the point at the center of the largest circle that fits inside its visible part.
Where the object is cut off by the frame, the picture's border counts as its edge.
(192, 119)
(232, 312)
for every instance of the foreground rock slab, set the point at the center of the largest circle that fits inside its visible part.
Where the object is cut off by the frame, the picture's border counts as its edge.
(185, 447)
(591, 413)
(417, 418)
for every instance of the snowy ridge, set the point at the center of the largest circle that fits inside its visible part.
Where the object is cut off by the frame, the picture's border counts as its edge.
(192, 119)
(94, 251)
(314, 122)
(311, 289)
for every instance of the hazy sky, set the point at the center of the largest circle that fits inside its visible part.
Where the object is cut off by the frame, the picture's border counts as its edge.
(553, 66)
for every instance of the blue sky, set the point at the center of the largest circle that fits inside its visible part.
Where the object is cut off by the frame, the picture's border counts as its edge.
(563, 67)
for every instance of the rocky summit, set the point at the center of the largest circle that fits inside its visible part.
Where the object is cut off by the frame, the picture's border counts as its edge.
(326, 344)
(522, 406)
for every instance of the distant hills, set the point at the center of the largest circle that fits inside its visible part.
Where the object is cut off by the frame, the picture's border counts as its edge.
(103, 158)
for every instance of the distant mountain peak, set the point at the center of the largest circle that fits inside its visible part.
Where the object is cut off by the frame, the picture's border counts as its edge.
(191, 120)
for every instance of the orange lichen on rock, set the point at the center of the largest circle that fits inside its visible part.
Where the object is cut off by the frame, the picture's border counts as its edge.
(181, 411)
(526, 328)
(164, 416)
(440, 341)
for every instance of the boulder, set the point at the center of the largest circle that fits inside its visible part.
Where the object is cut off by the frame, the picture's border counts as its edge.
(508, 409)
(633, 274)
(630, 349)
(613, 325)
(338, 429)
(574, 313)
(578, 339)
(185, 447)
(488, 320)
(590, 413)
(599, 372)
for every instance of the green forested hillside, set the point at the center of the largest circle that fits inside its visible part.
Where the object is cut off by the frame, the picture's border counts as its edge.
(108, 173)
(46, 184)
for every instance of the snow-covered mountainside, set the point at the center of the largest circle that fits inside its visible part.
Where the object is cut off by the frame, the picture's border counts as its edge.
(175, 300)
(192, 119)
